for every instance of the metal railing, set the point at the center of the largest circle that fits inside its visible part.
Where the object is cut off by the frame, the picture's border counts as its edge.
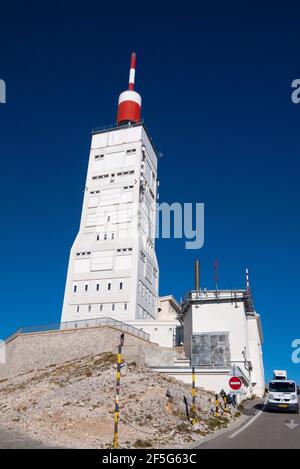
(81, 324)
(104, 128)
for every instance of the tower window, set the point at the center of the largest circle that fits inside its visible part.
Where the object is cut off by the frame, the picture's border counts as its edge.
(101, 307)
(101, 176)
(97, 287)
(125, 306)
(121, 286)
(113, 306)
(109, 286)
(77, 309)
(89, 308)
(86, 287)
(75, 288)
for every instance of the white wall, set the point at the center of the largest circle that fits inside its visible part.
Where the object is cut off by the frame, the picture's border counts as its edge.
(223, 317)
(219, 317)
(161, 332)
(168, 308)
(210, 381)
(243, 335)
(255, 350)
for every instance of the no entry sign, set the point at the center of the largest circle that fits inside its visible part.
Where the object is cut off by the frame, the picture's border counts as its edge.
(235, 383)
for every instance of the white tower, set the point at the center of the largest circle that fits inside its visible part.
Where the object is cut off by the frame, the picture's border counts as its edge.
(113, 270)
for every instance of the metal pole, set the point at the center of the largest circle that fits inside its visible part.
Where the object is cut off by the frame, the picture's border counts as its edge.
(194, 393)
(197, 276)
(118, 384)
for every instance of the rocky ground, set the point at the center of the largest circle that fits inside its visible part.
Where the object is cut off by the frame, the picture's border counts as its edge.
(72, 405)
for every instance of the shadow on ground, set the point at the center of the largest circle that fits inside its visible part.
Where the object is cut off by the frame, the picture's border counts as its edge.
(266, 409)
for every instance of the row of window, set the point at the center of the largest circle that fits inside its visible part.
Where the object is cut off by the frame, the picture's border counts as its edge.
(95, 287)
(101, 176)
(130, 151)
(145, 188)
(98, 192)
(105, 236)
(121, 173)
(146, 294)
(101, 237)
(143, 314)
(101, 308)
(149, 247)
(110, 236)
(143, 168)
(149, 269)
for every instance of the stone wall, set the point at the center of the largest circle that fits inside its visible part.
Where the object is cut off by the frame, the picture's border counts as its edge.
(26, 352)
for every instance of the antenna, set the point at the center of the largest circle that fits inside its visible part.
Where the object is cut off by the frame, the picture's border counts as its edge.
(130, 102)
(216, 274)
(132, 71)
(197, 276)
(247, 281)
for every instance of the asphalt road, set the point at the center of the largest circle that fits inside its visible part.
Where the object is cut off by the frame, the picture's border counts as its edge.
(13, 440)
(261, 429)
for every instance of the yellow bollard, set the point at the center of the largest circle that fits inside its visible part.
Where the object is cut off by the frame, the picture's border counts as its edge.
(118, 383)
(217, 406)
(194, 394)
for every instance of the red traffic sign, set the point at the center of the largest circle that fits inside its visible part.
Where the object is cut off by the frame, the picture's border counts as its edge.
(235, 383)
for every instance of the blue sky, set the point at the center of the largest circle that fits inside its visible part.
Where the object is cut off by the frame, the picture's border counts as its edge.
(216, 84)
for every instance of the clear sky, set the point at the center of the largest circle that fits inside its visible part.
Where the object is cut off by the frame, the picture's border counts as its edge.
(215, 78)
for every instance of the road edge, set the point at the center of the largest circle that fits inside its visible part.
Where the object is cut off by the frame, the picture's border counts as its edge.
(236, 424)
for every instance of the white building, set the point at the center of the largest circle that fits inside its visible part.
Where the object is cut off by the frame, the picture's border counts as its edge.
(222, 338)
(168, 308)
(166, 330)
(223, 335)
(113, 269)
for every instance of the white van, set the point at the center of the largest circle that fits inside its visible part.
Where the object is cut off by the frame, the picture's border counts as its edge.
(282, 395)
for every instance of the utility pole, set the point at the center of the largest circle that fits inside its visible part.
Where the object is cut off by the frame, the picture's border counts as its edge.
(118, 385)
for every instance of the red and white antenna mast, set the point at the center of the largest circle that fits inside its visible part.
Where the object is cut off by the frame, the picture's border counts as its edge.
(132, 71)
(130, 102)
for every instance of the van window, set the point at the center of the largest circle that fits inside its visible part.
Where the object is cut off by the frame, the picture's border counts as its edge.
(281, 386)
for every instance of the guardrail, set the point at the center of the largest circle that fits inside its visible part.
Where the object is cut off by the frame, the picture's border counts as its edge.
(81, 324)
